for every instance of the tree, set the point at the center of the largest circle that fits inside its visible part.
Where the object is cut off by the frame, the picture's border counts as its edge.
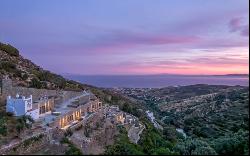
(170, 134)
(194, 146)
(232, 144)
(23, 122)
(204, 151)
(163, 151)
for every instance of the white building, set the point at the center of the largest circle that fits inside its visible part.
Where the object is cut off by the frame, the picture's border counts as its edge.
(19, 105)
(24, 106)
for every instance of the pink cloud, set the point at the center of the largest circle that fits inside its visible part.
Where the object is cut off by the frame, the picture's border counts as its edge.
(237, 25)
(120, 40)
(202, 65)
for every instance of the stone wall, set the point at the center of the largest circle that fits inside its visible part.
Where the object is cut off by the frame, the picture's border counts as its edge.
(7, 89)
(33, 144)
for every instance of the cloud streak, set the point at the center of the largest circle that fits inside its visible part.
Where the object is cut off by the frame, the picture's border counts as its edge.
(237, 25)
(162, 37)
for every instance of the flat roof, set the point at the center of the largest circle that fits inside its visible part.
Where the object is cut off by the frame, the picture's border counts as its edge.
(63, 108)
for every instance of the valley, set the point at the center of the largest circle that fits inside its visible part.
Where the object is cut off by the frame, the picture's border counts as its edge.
(204, 112)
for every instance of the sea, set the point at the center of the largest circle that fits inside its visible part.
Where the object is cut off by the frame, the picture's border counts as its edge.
(157, 81)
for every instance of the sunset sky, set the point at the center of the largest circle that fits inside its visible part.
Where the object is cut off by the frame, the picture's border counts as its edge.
(130, 36)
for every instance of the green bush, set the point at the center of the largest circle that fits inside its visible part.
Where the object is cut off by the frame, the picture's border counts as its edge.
(9, 49)
(8, 66)
(65, 141)
(22, 123)
(3, 128)
(72, 149)
(25, 77)
(35, 83)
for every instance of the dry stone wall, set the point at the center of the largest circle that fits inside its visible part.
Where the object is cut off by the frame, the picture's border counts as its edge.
(7, 89)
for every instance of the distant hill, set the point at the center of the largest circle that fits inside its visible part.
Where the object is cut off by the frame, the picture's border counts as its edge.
(236, 75)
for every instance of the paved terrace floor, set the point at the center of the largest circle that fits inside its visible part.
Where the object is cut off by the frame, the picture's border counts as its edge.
(62, 108)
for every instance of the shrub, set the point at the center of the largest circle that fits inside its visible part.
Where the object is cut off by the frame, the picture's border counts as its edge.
(3, 128)
(8, 66)
(25, 76)
(65, 141)
(68, 133)
(9, 114)
(72, 149)
(79, 128)
(9, 49)
(36, 83)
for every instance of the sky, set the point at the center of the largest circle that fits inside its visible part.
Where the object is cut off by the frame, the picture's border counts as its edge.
(123, 37)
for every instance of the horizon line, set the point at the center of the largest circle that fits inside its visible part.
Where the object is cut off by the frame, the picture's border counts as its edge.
(232, 74)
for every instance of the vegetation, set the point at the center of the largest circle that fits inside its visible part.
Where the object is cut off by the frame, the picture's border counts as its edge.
(232, 143)
(124, 103)
(33, 139)
(9, 49)
(72, 149)
(151, 143)
(3, 126)
(194, 147)
(24, 122)
(217, 124)
(35, 83)
(123, 146)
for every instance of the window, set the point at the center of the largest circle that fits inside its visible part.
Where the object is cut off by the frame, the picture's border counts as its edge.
(70, 118)
(42, 110)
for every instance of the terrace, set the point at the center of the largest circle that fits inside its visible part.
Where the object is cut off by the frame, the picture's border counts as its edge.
(62, 109)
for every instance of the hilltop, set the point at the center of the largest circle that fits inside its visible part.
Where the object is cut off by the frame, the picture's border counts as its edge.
(25, 73)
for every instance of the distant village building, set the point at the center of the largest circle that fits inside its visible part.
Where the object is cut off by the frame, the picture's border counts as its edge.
(119, 117)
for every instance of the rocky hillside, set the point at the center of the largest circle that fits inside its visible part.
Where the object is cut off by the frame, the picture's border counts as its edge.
(27, 74)
(24, 72)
